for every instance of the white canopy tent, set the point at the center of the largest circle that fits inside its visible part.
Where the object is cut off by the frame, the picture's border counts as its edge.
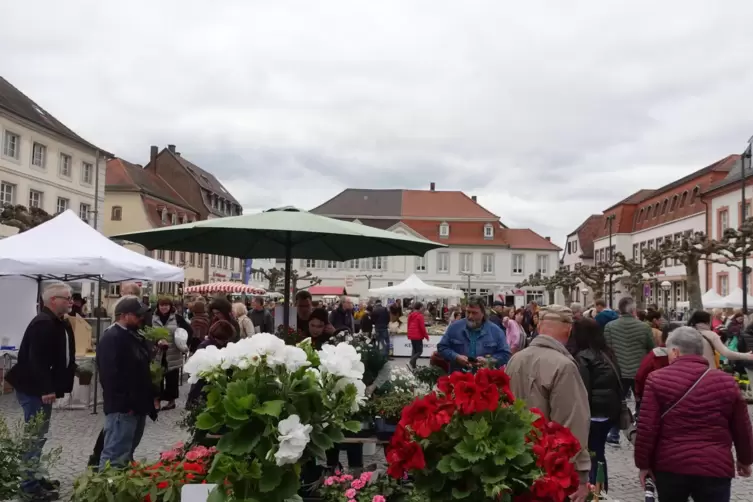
(709, 298)
(413, 286)
(66, 248)
(732, 301)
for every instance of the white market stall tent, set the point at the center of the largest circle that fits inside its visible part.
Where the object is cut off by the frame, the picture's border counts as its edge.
(412, 287)
(732, 301)
(710, 298)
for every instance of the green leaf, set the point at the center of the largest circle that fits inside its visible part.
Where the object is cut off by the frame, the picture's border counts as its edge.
(352, 426)
(270, 479)
(271, 408)
(335, 434)
(459, 464)
(216, 495)
(206, 421)
(523, 460)
(493, 479)
(321, 440)
(457, 494)
(234, 412)
(240, 441)
(445, 465)
(291, 483)
(468, 450)
(294, 498)
(254, 470)
(478, 429)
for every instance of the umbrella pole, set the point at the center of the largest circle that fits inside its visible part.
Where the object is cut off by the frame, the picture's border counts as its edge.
(288, 264)
(99, 332)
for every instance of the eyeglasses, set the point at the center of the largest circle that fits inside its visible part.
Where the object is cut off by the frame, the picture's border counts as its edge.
(66, 298)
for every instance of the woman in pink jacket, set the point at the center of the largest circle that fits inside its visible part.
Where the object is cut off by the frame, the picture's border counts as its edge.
(416, 333)
(514, 330)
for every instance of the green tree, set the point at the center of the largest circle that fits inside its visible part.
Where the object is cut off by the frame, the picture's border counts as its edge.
(633, 273)
(566, 280)
(275, 278)
(597, 277)
(21, 217)
(540, 281)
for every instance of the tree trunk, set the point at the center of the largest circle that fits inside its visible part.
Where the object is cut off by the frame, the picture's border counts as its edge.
(694, 284)
(567, 293)
(551, 297)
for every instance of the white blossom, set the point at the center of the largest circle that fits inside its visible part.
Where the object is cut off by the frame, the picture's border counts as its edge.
(341, 360)
(203, 362)
(294, 436)
(295, 358)
(343, 383)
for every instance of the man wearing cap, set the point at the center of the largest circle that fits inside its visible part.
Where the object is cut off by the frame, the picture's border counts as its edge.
(498, 313)
(546, 377)
(123, 358)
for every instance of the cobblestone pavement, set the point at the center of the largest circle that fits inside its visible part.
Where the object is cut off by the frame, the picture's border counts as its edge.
(76, 431)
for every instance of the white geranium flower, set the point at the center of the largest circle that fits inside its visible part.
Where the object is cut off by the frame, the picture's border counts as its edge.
(295, 358)
(294, 436)
(315, 373)
(203, 362)
(343, 383)
(341, 360)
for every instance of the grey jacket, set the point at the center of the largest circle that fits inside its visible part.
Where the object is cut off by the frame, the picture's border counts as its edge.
(174, 356)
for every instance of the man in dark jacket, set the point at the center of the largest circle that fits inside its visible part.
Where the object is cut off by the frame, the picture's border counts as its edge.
(123, 358)
(261, 317)
(380, 316)
(342, 317)
(497, 314)
(44, 372)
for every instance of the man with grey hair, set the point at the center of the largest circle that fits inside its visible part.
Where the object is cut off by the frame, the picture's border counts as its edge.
(691, 416)
(44, 372)
(630, 340)
(261, 317)
(342, 317)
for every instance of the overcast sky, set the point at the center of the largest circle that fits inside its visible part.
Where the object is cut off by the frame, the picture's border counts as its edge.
(547, 113)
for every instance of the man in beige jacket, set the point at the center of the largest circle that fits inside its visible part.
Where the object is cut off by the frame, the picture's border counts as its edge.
(546, 377)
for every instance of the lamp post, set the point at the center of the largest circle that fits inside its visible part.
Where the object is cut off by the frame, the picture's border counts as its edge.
(610, 219)
(585, 298)
(666, 286)
(743, 178)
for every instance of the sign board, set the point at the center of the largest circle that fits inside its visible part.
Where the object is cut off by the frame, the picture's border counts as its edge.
(647, 290)
(350, 281)
(235, 276)
(401, 346)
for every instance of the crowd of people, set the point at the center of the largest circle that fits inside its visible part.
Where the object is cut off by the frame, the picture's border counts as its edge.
(577, 366)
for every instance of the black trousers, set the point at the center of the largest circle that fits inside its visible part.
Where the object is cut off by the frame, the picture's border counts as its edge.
(354, 452)
(417, 348)
(170, 386)
(98, 447)
(680, 487)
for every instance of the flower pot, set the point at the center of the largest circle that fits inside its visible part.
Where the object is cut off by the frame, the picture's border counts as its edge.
(85, 379)
(384, 428)
(369, 449)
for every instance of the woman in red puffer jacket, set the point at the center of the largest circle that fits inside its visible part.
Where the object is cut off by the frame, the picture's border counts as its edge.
(416, 333)
(691, 416)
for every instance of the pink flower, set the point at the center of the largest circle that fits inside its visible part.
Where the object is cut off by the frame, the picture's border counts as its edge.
(378, 498)
(329, 481)
(178, 445)
(347, 477)
(350, 493)
(169, 456)
(352, 500)
(365, 477)
(337, 472)
(358, 484)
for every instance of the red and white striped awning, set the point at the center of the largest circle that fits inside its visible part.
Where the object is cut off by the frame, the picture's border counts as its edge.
(225, 287)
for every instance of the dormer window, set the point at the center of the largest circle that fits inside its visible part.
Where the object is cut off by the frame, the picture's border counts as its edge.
(163, 214)
(444, 229)
(488, 231)
(173, 218)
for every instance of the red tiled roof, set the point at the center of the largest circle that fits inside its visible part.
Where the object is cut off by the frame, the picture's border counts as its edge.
(525, 238)
(153, 208)
(442, 204)
(327, 290)
(471, 233)
(587, 232)
(121, 174)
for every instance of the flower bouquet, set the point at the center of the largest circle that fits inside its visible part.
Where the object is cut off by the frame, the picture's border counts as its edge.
(155, 333)
(291, 337)
(472, 440)
(277, 407)
(368, 487)
(388, 402)
(373, 359)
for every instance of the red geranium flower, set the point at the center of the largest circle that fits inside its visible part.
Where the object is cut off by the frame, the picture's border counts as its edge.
(162, 485)
(427, 415)
(404, 454)
(496, 377)
(541, 421)
(471, 397)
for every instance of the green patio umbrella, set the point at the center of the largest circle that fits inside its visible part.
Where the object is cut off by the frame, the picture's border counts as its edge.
(282, 233)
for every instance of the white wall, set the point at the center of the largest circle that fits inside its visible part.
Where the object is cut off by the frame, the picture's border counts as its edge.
(24, 176)
(732, 201)
(573, 257)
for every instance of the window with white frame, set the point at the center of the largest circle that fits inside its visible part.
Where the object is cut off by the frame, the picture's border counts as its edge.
(575, 246)
(444, 230)
(542, 264)
(635, 251)
(12, 145)
(466, 263)
(668, 261)
(488, 231)
(232, 263)
(353, 264)
(7, 193)
(87, 173)
(62, 204)
(224, 262)
(174, 218)
(192, 259)
(161, 254)
(212, 260)
(83, 211)
(331, 264)
(518, 262)
(39, 155)
(309, 263)
(182, 258)
(678, 239)
(200, 260)
(65, 165)
(420, 263)
(443, 262)
(171, 256)
(377, 263)
(724, 285)
(487, 263)
(35, 198)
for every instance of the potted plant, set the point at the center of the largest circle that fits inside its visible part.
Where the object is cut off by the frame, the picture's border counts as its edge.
(369, 486)
(280, 406)
(470, 439)
(388, 402)
(85, 372)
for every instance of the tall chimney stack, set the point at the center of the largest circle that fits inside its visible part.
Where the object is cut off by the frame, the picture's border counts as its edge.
(432, 186)
(473, 198)
(171, 148)
(153, 155)
(548, 238)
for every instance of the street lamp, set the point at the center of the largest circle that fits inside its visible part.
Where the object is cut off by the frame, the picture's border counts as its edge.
(743, 178)
(666, 286)
(610, 219)
(585, 296)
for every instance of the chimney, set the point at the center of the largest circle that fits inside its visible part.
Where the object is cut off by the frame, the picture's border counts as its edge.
(548, 238)
(432, 186)
(473, 198)
(171, 148)
(153, 156)
(177, 154)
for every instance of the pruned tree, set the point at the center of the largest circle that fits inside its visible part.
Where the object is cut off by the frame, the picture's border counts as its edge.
(21, 217)
(691, 251)
(566, 280)
(634, 273)
(734, 244)
(538, 280)
(596, 277)
(275, 278)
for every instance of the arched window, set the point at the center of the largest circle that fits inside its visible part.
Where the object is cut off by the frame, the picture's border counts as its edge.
(116, 213)
(673, 206)
(656, 210)
(683, 198)
(640, 216)
(693, 197)
(664, 206)
(648, 213)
